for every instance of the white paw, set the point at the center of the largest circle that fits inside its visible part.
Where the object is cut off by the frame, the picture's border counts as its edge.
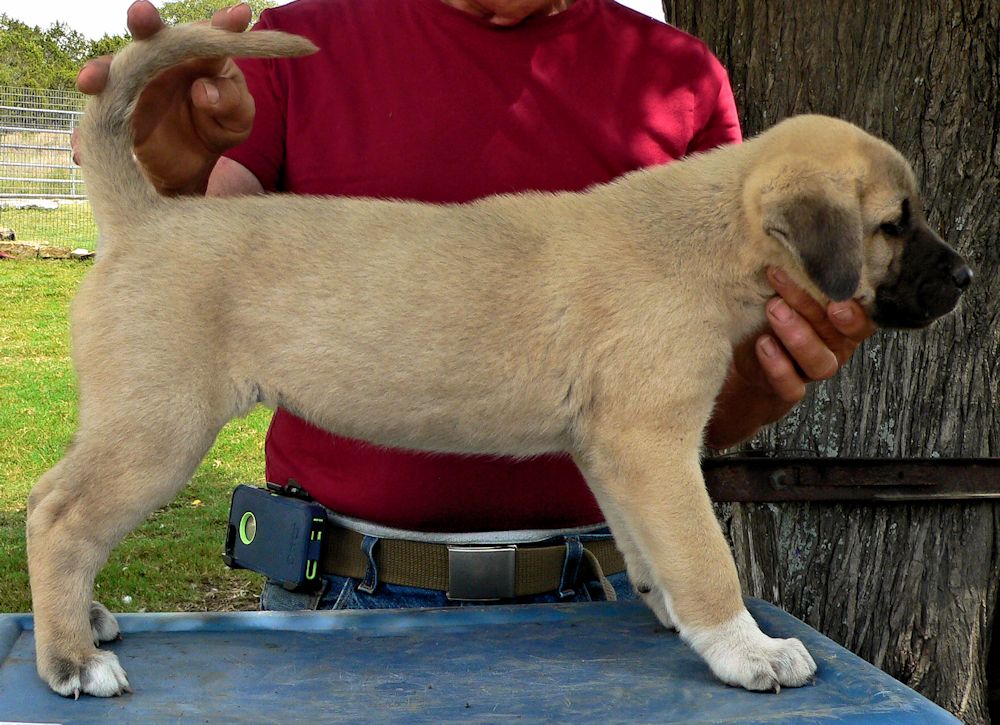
(103, 624)
(100, 675)
(740, 654)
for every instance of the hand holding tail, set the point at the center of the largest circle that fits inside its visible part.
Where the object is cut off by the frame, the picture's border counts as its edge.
(175, 98)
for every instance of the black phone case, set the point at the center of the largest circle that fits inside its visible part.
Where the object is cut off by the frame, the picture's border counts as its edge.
(276, 535)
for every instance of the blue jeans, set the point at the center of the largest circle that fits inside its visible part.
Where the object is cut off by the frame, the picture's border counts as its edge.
(341, 592)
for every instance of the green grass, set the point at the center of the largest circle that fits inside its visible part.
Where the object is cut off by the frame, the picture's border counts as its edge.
(172, 562)
(71, 225)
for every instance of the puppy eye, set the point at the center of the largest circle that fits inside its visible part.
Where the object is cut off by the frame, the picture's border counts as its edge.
(898, 228)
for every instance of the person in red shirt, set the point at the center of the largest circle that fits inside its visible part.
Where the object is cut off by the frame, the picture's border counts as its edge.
(448, 101)
(443, 105)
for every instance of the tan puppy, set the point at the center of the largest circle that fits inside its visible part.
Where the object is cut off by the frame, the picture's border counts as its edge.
(599, 323)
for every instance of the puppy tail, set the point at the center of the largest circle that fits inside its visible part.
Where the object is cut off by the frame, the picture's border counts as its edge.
(114, 180)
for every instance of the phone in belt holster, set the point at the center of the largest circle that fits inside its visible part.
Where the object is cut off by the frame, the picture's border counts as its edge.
(278, 532)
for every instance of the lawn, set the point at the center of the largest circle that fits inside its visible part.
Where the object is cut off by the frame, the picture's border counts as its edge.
(45, 168)
(71, 225)
(172, 562)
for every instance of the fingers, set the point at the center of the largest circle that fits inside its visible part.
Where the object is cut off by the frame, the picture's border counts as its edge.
(807, 342)
(840, 326)
(780, 372)
(143, 20)
(802, 341)
(235, 18)
(222, 110)
(802, 302)
(201, 107)
(222, 107)
(851, 320)
(797, 355)
(93, 76)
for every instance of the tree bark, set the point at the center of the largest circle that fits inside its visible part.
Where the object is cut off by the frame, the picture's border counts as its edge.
(910, 587)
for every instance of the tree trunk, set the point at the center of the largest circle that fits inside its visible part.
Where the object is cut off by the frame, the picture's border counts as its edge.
(910, 587)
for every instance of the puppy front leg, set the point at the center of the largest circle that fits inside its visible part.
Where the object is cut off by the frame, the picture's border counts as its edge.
(657, 498)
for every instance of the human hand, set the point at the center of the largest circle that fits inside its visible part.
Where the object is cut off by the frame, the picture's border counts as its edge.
(188, 115)
(769, 374)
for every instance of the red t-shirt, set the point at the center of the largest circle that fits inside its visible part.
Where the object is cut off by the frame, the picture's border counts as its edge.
(414, 99)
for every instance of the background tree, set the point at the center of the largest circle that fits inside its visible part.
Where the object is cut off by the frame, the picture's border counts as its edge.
(107, 45)
(31, 57)
(910, 587)
(186, 11)
(36, 58)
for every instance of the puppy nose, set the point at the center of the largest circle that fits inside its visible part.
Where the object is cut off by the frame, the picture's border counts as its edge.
(962, 276)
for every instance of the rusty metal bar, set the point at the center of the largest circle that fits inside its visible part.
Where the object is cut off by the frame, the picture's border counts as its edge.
(765, 480)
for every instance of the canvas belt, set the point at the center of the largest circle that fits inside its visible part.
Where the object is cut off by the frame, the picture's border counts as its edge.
(474, 573)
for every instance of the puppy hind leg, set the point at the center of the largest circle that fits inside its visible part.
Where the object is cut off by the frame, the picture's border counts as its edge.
(114, 475)
(660, 502)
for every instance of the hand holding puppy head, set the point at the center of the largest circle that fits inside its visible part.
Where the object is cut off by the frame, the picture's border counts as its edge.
(188, 115)
(810, 342)
(806, 342)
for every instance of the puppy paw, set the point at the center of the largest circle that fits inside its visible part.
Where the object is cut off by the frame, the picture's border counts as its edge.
(103, 624)
(740, 654)
(100, 675)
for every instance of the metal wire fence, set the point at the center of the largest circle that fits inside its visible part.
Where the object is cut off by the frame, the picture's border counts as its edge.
(42, 196)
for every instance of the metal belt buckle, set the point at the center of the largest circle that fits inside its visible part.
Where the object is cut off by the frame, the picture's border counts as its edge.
(481, 573)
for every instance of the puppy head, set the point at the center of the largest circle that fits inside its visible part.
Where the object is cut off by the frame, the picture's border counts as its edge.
(843, 211)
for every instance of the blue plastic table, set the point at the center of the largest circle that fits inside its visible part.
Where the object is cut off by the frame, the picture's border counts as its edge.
(608, 662)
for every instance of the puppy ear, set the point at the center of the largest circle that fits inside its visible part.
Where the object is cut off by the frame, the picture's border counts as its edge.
(824, 228)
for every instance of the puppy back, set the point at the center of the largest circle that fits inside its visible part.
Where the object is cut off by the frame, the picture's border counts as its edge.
(116, 186)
